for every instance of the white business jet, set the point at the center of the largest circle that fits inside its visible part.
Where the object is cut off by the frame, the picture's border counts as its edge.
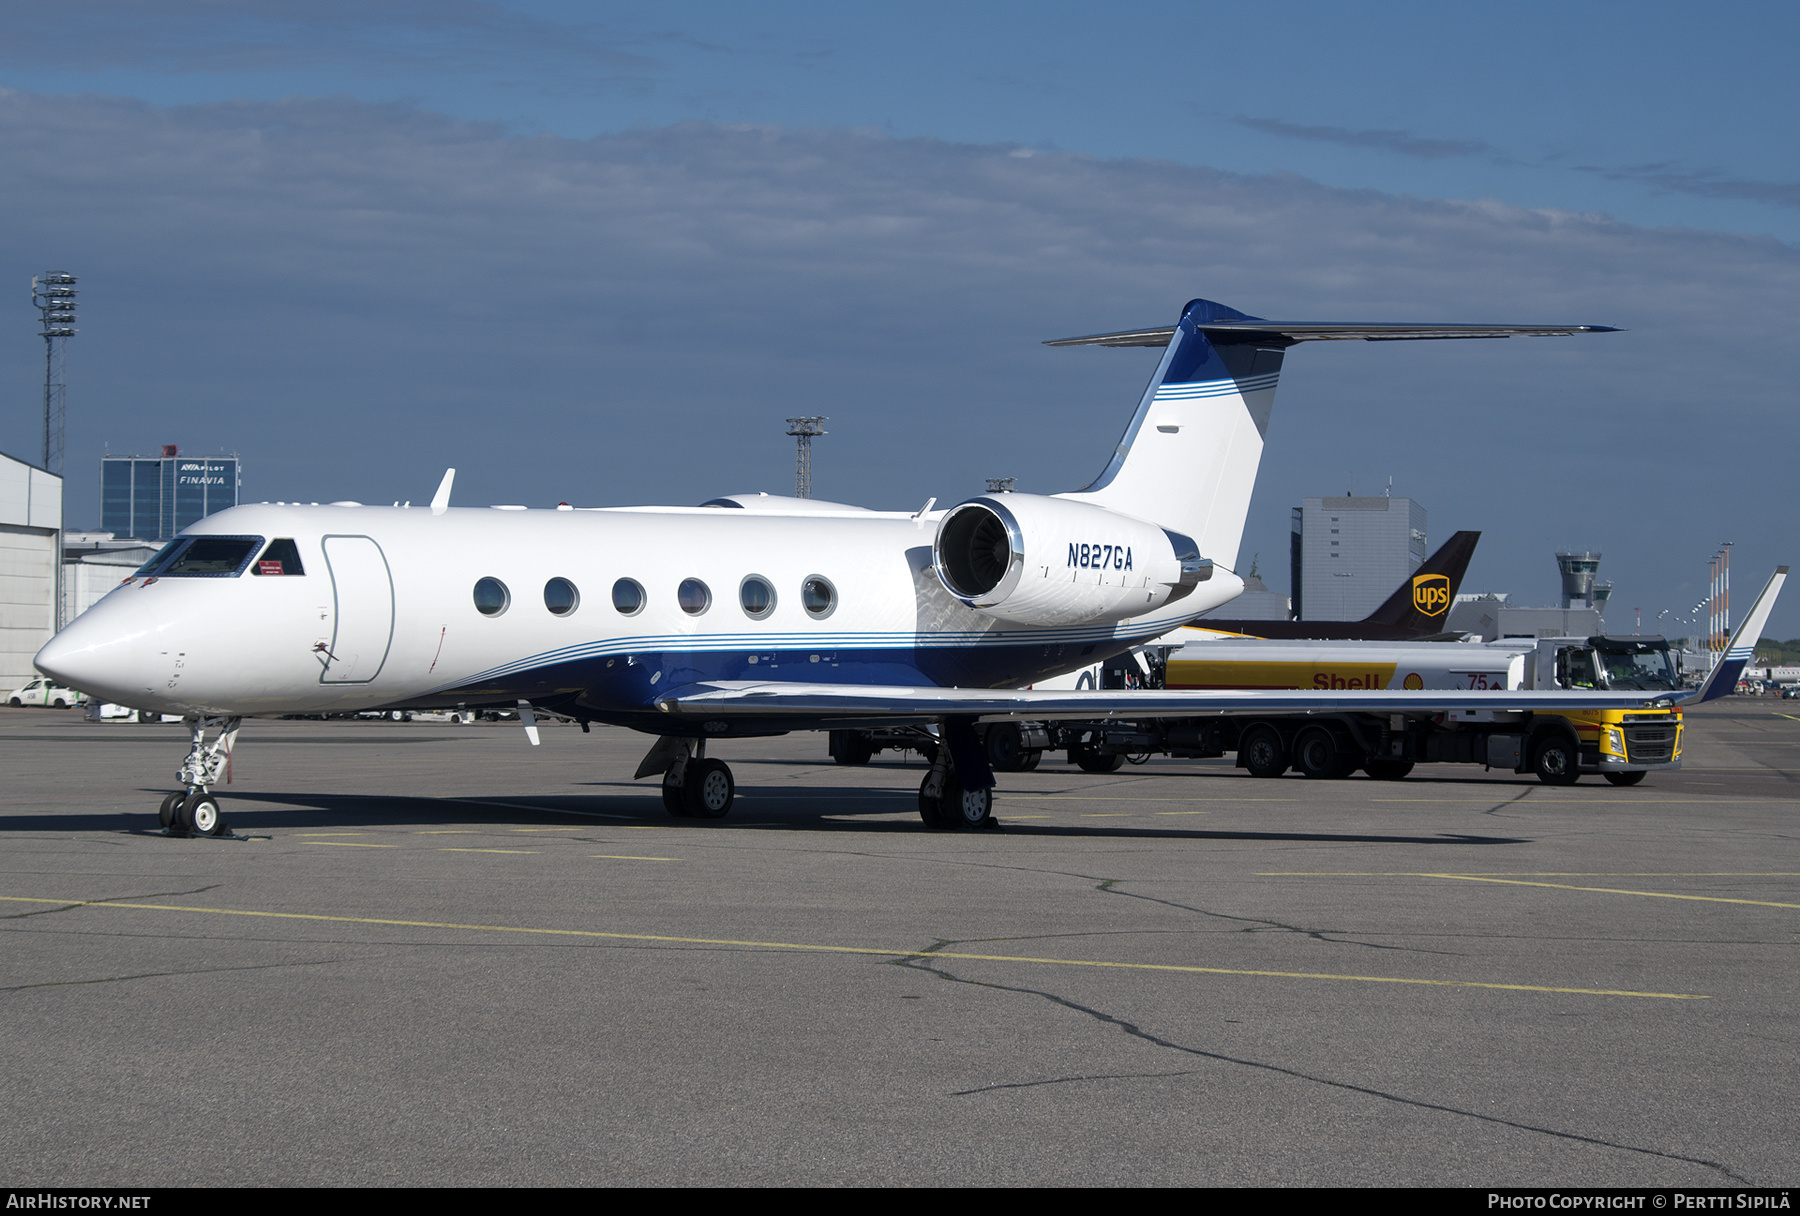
(746, 616)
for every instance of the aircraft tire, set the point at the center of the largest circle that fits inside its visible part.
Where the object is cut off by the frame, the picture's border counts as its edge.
(1261, 753)
(170, 811)
(1624, 778)
(201, 815)
(709, 790)
(1556, 761)
(672, 797)
(931, 810)
(967, 808)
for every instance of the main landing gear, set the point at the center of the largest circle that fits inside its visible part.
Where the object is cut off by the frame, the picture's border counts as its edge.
(693, 786)
(193, 810)
(958, 790)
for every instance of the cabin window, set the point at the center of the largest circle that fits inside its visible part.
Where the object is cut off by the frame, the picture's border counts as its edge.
(210, 557)
(818, 596)
(560, 597)
(628, 597)
(491, 597)
(694, 596)
(281, 557)
(757, 595)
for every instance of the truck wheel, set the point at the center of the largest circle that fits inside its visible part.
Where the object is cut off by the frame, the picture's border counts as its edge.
(1088, 759)
(1260, 752)
(1388, 770)
(851, 747)
(1624, 778)
(1557, 762)
(1318, 754)
(1006, 748)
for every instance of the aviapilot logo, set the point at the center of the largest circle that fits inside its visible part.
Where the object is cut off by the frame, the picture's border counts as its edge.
(1431, 593)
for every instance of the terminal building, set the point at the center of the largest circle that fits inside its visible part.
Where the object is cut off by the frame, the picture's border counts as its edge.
(1348, 554)
(153, 497)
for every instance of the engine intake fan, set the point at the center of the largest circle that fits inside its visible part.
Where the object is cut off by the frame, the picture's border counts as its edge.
(1049, 561)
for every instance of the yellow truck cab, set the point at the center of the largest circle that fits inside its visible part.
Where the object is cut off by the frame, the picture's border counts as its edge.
(1621, 745)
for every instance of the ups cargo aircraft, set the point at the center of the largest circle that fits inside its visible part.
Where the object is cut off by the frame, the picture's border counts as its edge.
(746, 616)
(1416, 612)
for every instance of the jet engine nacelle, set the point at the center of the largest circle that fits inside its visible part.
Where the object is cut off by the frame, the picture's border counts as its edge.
(1049, 561)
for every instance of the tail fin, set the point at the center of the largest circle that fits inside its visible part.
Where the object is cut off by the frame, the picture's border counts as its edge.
(1422, 602)
(1189, 458)
(1742, 647)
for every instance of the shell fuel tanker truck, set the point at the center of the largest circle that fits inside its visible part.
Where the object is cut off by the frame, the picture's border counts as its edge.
(1559, 746)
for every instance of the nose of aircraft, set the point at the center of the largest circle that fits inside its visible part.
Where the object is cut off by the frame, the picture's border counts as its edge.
(98, 653)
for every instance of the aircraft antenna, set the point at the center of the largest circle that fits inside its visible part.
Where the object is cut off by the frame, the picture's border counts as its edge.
(803, 430)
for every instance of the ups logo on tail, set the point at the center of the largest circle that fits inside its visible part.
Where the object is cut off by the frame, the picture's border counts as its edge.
(1431, 593)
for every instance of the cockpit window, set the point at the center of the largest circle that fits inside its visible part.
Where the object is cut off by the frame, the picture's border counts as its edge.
(209, 557)
(162, 555)
(281, 557)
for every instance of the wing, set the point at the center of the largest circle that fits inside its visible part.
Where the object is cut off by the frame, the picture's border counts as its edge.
(872, 705)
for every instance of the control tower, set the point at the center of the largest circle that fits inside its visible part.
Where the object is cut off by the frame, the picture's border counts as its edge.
(1578, 571)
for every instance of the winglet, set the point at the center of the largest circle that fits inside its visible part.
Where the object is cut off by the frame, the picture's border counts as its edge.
(440, 502)
(1742, 647)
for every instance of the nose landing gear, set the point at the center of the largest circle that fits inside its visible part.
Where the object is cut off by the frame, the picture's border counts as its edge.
(193, 810)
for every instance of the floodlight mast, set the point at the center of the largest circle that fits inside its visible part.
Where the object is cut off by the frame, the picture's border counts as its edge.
(803, 430)
(53, 295)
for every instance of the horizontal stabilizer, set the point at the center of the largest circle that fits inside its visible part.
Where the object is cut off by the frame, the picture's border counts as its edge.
(1288, 332)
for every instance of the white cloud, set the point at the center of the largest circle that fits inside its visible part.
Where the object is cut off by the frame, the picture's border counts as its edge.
(356, 294)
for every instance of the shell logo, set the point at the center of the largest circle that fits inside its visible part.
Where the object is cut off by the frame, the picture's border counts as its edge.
(1413, 680)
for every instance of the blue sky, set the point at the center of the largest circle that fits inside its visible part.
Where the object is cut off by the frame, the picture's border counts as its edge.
(598, 252)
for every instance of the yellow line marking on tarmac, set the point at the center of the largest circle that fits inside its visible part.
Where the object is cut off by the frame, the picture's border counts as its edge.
(1104, 798)
(861, 950)
(1107, 815)
(624, 857)
(1790, 717)
(1705, 899)
(646, 827)
(353, 844)
(487, 850)
(448, 832)
(551, 829)
(1519, 881)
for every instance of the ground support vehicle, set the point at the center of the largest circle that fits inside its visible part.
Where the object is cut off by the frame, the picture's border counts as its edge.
(1559, 746)
(45, 692)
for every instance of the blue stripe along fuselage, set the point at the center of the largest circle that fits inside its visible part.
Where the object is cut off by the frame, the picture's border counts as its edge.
(622, 688)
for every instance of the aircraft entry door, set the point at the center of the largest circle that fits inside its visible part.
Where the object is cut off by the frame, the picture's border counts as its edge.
(363, 616)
